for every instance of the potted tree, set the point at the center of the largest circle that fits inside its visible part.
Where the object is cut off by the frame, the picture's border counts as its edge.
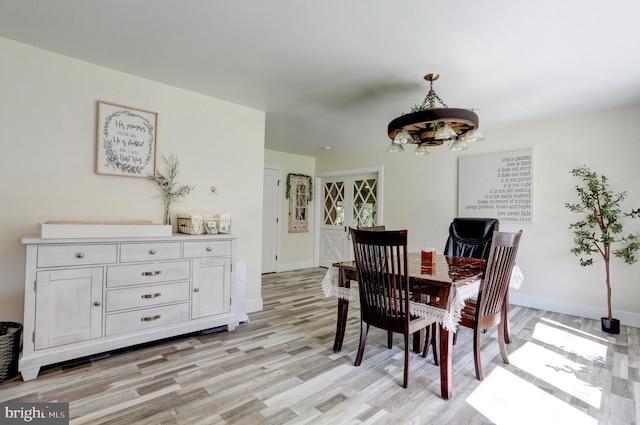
(600, 228)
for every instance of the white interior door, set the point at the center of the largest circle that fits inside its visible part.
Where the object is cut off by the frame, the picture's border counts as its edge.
(270, 220)
(347, 201)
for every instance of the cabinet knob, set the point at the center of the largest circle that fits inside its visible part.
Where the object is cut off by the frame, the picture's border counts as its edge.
(209, 249)
(152, 251)
(97, 303)
(196, 289)
(79, 255)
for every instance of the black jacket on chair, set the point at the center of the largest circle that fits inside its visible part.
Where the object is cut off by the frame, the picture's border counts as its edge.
(470, 237)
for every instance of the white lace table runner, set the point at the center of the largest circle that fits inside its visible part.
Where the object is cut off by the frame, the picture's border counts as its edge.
(448, 318)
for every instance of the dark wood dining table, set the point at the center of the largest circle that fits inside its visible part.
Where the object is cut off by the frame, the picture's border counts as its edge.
(441, 280)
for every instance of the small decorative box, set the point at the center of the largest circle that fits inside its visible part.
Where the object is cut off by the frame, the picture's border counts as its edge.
(428, 256)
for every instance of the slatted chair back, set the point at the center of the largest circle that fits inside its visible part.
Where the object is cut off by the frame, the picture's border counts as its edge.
(381, 262)
(495, 283)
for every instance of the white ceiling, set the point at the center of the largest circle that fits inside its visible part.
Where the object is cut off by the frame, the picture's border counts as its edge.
(335, 72)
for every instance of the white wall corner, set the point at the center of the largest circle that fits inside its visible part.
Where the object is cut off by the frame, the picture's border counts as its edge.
(254, 305)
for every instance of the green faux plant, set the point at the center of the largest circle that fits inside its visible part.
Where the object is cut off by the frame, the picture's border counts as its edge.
(601, 226)
(169, 187)
(421, 107)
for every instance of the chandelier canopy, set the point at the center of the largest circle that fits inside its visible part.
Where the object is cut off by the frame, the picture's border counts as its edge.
(430, 125)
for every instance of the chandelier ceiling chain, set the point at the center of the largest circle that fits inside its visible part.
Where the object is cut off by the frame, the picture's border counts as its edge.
(431, 95)
(428, 125)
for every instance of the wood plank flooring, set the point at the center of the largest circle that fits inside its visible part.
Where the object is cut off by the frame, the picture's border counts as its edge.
(280, 369)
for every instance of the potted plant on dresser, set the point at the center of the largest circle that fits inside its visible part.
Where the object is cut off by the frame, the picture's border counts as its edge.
(600, 228)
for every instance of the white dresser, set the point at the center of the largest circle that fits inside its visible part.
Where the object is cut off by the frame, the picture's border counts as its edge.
(88, 296)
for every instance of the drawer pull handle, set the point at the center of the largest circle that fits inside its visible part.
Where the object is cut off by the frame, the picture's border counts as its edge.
(153, 273)
(79, 255)
(156, 295)
(209, 249)
(196, 289)
(149, 319)
(97, 303)
(152, 251)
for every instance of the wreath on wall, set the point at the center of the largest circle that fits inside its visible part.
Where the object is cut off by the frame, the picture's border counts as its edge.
(299, 175)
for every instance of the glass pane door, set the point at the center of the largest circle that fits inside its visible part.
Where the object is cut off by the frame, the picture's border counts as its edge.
(365, 202)
(347, 201)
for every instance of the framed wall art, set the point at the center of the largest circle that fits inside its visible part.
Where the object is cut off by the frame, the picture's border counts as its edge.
(299, 192)
(497, 185)
(126, 141)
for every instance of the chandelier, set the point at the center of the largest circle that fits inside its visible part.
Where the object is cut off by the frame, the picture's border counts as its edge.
(430, 125)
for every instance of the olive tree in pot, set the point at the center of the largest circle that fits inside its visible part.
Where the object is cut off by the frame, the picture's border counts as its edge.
(600, 228)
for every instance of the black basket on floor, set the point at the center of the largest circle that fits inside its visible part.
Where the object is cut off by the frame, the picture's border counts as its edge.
(10, 338)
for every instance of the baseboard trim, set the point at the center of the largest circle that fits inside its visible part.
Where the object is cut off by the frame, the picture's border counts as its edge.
(590, 312)
(295, 266)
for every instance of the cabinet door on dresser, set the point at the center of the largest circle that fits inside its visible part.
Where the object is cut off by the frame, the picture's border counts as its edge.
(211, 287)
(68, 306)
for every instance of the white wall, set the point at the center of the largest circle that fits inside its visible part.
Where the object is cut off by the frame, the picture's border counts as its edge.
(296, 249)
(48, 149)
(420, 194)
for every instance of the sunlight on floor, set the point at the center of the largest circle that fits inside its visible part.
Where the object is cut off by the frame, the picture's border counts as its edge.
(503, 396)
(573, 341)
(558, 371)
(505, 399)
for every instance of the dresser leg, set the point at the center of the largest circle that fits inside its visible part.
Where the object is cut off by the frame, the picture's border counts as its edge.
(30, 374)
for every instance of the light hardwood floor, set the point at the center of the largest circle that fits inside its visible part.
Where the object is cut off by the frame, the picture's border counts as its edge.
(280, 369)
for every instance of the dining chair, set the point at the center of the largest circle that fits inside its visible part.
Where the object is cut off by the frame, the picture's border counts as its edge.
(471, 237)
(383, 286)
(468, 237)
(487, 312)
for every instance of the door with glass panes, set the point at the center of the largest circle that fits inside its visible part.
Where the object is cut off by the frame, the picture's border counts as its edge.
(347, 201)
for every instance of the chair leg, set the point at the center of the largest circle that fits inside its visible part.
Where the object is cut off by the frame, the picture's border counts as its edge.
(427, 341)
(405, 382)
(432, 340)
(476, 353)
(364, 329)
(505, 319)
(389, 339)
(435, 342)
(502, 343)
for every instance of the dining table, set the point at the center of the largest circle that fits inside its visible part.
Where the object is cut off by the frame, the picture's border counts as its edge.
(448, 282)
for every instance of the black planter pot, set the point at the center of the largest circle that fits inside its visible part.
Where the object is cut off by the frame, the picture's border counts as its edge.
(610, 326)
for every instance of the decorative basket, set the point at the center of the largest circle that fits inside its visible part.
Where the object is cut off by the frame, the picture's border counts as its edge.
(215, 226)
(191, 225)
(10, 334)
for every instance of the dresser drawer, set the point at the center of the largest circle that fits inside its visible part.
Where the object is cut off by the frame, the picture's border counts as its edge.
(130, 252)
(207, 249)
(75, 255)
(146, 296)
(139, 320)
(140, 274)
